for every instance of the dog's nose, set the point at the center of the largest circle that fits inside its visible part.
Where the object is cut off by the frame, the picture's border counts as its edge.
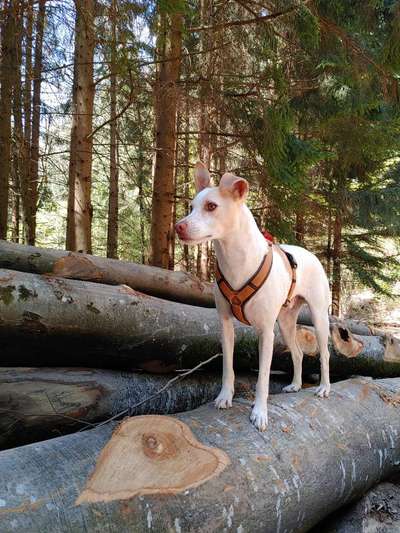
(180, 228)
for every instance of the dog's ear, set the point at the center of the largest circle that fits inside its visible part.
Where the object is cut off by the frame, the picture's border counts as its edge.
(235, 186)
(201, 176)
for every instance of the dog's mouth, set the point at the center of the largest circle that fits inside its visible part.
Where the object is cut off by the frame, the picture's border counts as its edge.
(195, 241)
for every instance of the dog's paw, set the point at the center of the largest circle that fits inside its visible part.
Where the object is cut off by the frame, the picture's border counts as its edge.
(293, 387)
(259, 418)
(224, 399)
(323, 391)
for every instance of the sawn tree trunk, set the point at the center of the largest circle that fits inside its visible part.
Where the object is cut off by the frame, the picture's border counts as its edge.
(55, 321)
(41, 403)
(208, 471)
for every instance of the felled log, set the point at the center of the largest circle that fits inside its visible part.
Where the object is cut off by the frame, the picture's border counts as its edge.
(208, 471)
(42, 403)
(355, 326)
(58, 322)
(378, 510)
(175, 286)
(167, 284)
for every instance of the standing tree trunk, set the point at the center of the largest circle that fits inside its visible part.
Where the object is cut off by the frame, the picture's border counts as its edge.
(112, 227)
(18, 138)
(300, 224)
(27, 103)
(336, 256)
(186, 186)
(79, 223)
(7, 72)
(166, 99)
(204, 147)
(329, 244)
(30, 226)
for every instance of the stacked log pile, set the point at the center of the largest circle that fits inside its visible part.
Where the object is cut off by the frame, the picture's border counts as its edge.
(86, 340)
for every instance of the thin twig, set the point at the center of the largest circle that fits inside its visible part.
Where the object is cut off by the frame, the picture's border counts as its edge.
(165, 387)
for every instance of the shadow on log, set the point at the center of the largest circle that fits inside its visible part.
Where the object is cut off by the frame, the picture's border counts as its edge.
(42, 403)
(316, 456)
(89, 324)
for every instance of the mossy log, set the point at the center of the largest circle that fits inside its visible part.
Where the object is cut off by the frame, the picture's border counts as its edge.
(209, 471)
(42, 403)
(47, 321)
(175, 286)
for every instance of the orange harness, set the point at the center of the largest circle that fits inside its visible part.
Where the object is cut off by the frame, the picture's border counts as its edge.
(239, 298)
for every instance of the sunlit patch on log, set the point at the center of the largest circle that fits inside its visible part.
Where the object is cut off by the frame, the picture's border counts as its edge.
(77, 266)
(151, 455)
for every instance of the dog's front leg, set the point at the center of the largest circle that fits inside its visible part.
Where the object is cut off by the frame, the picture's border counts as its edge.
(259, 414)
(224, 398)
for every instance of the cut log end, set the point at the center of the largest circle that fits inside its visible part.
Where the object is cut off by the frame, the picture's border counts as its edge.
(151, 455)
(307, 341)
(392, 349)
(345, 342)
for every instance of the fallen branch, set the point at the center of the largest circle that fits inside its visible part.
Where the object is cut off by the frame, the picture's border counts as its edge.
(205, 470)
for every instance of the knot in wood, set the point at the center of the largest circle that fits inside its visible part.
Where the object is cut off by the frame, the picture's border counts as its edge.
(159, 446)
(152, 442)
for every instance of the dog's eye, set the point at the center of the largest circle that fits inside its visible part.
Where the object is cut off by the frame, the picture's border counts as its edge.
(210, 206)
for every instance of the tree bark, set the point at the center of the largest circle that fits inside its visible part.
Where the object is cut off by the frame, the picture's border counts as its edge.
(166, 100)
(7, 74)
(204, 145)
(337, 258)
(33, 185)
(18, 138)
(187, 180)
(248, 481)
(42, 403)
(141, 180)
(79, 224)
(27, 103)
(112, 226)
(91, 324)
(176, 286)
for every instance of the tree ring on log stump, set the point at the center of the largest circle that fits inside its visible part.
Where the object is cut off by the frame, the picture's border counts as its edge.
(166, 459)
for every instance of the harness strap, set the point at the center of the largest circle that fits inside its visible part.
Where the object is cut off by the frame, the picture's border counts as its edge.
(238, 299)
(292, 266)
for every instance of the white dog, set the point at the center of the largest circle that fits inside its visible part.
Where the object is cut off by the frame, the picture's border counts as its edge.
(221, 215)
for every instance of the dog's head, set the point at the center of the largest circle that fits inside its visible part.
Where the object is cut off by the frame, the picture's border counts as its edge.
(214, 211)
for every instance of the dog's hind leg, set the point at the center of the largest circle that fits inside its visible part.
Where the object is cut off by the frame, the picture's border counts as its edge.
(287, 320)
(320, 318)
